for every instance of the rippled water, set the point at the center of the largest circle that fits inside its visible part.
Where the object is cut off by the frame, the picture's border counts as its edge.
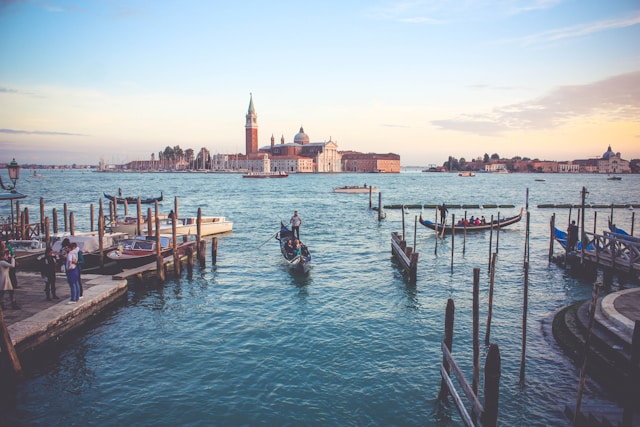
(247, 343)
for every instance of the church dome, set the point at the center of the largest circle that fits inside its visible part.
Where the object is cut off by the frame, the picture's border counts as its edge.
(608, 154)
(301, 137)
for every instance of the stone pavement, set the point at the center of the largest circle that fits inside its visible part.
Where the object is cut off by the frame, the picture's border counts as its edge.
(39, 320)
(619, 311)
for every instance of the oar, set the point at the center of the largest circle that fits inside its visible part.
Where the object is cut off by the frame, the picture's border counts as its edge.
(270, 237)
(444, 226)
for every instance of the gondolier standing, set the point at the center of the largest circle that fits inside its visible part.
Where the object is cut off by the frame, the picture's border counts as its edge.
(443, 213)
(295, 222)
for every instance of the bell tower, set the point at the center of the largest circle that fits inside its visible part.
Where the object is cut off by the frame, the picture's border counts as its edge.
(251, 128)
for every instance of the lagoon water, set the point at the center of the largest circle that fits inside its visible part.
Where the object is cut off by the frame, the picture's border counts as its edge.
(247, 343)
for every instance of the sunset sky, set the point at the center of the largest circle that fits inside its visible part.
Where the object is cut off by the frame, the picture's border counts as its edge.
(547, 79)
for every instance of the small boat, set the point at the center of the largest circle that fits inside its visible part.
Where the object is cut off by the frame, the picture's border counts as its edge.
(503, 222)
(540, 180)
(296, 262)
(266, 175)
(467, 174)
(133, 200)
(209, 225)
(615, 178)
(36, 175)
(132, 253)
(561, 237)
(354, 189)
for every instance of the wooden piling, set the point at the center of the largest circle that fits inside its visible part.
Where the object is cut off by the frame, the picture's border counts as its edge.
(552, 226)
(91, 216)
(595, 221)
(66, 223)
(464, 238)
(101, 235)
(55, 221)
(476, 328)
(7, 347)
(149, 223)
(139, 218)
(176, 257)
(370, 196)
(126, 207)
(490, 242)
(490, 307)
(380, 206)
(404, 237)
(526, 239)
(47, 232)
(199, 235)
(492, 369)
(448, 342)
(189, 262)
(202, 252)
(525, 309)
(453, 236)
(498, 234)
(435, 249)
(72, 227)
(214, 250)
(159, 258)
(175, 208)
(42, 212)
(633, 220)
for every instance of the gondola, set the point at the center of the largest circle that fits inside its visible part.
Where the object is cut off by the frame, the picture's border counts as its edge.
(503, 222)
(561, 237)
(133, 200)
(297, 263)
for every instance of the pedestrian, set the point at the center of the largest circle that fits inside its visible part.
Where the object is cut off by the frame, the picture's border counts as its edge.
(572, 236)
(5, 281)
(71, 268)
(12, 271)
(48, 267)
(80, 267)
(295, 222)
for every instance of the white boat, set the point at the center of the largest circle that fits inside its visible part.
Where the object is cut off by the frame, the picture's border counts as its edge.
(467, 174)
(209, 225)
(354, 189)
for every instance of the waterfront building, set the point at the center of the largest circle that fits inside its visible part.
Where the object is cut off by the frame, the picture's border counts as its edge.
(370, 162)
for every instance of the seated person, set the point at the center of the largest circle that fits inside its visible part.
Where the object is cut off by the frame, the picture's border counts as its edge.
(298, 247)
(289, 249)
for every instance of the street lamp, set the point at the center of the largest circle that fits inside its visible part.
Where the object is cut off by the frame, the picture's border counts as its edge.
(14, 175)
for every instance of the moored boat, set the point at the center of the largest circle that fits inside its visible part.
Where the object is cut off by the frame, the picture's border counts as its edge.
(209, 225)
(266, 175)
(136, 252)
(354, 189)
(297, 260)
(134, 200)
(448, 228)
(467, 174)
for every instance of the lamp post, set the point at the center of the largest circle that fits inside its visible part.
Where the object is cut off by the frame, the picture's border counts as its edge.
(14, 175)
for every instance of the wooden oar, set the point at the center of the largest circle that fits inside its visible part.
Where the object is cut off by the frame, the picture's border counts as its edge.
(270, 237)
(444, 226)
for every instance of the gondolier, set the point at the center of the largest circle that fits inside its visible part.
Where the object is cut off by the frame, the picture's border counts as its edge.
(295, 222)
(443, 213)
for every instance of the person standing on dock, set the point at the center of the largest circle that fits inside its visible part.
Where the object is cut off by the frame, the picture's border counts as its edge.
(295, 222)
(48, 272)
(71, 267)
(443, 213)
(572, 233)
(7, 263)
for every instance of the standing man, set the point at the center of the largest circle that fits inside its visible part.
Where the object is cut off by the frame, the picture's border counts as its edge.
(295, 222)
(573, 232)
(443, 213)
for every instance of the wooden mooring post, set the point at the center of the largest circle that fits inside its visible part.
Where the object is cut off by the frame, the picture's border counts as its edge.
(8, 350)
(487, 413)
(525, 309)
(214, 250)
(405, 255)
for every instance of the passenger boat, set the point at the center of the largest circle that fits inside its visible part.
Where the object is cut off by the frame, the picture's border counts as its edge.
(297, 263)
(503, 222)
(26, 252)
(615, 178)
(89, 244)
(467, 174)
(280, 174)
(134, 200)
(132, 253)
(354, 189)
(209, 225)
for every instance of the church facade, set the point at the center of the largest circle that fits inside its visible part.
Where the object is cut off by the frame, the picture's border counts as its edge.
(304, 156)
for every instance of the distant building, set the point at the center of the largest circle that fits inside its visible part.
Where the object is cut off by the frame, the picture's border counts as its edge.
(610, 162)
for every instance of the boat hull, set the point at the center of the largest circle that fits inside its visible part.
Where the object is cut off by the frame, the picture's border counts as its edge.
(448, 229)
(354, 190)
(299, 264)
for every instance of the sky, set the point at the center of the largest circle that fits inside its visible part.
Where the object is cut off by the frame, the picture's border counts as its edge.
(120, 80)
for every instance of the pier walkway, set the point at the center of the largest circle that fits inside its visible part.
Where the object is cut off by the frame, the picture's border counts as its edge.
(39, 320)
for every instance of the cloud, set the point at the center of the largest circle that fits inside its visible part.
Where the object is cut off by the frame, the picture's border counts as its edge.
(617, 98)
(581, 30)
(27, 132)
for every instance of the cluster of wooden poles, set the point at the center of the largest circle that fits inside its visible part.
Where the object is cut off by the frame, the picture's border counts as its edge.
(26, 230)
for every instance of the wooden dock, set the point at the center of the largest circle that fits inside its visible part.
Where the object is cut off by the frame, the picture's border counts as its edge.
(619, 253)
(405, 256)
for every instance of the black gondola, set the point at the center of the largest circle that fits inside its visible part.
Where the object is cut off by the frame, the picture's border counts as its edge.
(461, 228)
(133, 200)
(296, 262)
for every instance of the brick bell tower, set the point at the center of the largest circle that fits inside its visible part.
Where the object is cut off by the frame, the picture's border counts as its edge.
(251, 128)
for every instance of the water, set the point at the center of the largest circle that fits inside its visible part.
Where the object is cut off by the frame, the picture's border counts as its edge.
(247, 343)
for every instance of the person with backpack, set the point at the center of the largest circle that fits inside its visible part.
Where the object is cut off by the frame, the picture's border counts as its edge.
(48, 267)
(80, 265)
